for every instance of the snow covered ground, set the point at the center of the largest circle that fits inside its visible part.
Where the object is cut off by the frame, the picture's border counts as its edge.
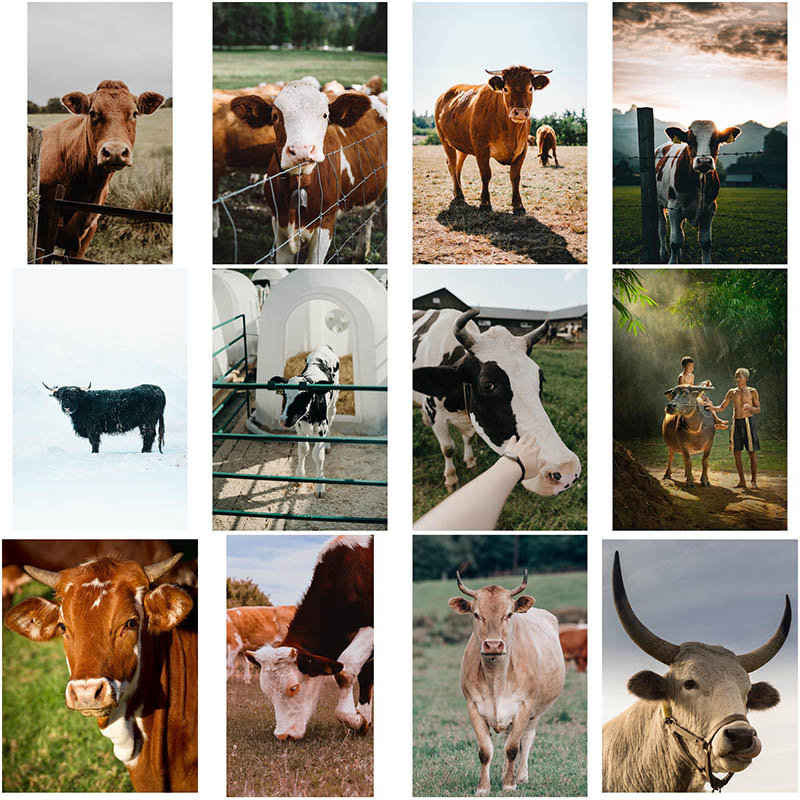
(116, 328)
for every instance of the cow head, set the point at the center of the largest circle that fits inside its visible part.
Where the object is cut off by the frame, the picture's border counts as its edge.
(683, 399)
(111, 112)
(502, 387)
(517, 85)
(301, 115)
(69, 397)
(103, 610)
(703, 140)
(288, 679)
(492, 609)
(704, 684)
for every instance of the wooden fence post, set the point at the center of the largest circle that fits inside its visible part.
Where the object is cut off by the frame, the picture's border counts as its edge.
(34, 150)
(647, 175)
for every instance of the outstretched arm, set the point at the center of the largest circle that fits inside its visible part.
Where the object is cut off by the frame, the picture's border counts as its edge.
(725, 403)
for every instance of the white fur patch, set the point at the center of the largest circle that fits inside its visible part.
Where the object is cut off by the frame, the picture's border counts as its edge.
(352, 541)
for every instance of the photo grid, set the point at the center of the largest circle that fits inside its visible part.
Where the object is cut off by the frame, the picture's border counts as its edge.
(570, 570)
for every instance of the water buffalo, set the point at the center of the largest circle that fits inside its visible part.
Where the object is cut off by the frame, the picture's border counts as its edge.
(687, 428)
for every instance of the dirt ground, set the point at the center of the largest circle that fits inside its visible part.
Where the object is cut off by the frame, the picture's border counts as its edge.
(554, 231)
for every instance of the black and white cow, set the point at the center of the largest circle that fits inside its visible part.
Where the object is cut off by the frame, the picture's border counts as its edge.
(687, 184)
(486, 383)
(311, 413)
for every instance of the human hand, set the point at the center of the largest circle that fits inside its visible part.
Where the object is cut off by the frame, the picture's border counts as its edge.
(527, 450)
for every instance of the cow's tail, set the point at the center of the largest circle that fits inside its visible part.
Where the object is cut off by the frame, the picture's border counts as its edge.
(161, 433)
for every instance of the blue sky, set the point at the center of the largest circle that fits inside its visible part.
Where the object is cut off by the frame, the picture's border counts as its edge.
(540, 289)
(455, 42)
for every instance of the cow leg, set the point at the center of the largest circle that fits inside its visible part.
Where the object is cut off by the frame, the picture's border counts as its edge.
(148, 436)
(704, 236)
(455, 171)
(525, 746)
(469, 456)
(668, 473)
(704, 481)
(94, 440)
(246, 673)
(555, 158)
(366, 679)
(442, 433)
(675, 234)
(318, 454)
(318, 245)
(353, 657)
(662, 234)
(302, 452)
(486, 175)
(283, 252)
(364, 240)
(516, 174)
(513, 741)
(485, 749)
(687, 466)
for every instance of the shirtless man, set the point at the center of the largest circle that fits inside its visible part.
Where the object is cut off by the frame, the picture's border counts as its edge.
(746, 405)
(686, 378)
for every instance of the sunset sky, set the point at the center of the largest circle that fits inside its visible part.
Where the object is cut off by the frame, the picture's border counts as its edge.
(720, 61)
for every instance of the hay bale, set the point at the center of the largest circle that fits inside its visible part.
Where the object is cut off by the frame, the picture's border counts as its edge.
(640, 502)
(346, 404)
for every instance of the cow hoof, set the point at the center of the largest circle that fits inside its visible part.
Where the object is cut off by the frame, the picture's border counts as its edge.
(512, 787)
(667, 476)
(471, 464)
(690, 484)
(706, 483)
(451, 487)
(480, 792)
(320, 495)
(519, 211)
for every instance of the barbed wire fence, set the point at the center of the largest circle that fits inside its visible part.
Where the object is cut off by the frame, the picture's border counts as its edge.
(339, 200)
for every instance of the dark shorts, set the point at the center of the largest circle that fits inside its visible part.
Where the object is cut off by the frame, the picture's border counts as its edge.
(741, 439)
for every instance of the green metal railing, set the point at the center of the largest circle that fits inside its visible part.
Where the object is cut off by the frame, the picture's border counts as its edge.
(221, 384)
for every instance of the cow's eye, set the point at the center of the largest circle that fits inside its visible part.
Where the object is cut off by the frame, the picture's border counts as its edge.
(62, 627)
(131, 624)
(325, 115)
(488, 386)
(690, 684)
(476, 615)
(135, 114)
(293, 690)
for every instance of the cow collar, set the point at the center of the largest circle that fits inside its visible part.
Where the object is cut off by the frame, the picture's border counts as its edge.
(679, 732)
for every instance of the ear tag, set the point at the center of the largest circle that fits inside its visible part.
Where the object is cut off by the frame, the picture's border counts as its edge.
(676, 140)
(731, 138)
(299, 197)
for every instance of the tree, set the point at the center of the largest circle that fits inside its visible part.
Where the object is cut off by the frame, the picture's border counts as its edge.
(33, 108)
(244, 592)
(628, 288)
(54, 106)
(372, 31)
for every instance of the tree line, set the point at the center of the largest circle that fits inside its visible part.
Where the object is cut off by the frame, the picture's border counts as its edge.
(362, 26)
(55, 106)
(438, 557)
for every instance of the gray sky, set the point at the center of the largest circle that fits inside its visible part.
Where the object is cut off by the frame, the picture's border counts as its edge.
(74, 46)
(545, 289)
(718, 592)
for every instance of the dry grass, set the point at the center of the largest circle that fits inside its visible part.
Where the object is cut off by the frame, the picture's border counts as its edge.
(554, 231)
(346, 404)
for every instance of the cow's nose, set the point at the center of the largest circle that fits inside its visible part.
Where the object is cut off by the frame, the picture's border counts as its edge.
(285, 737)
(520, 113)
(704, 163)
(298, 153)
(493, 646)
(89, 695)
(740, 738)
(115, 154)
(564, 473)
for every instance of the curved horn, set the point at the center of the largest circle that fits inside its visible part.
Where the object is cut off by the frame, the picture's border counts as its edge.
(155, 571)
(51, 389)
(660, 649)
(466, 339)
(462, 588)
(43, 576)
(522, 585)
(86, 389)
(757, 658)
(534, 336)
(494, 72)
(541, 71)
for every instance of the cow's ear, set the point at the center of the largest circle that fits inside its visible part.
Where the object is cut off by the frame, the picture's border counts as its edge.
(313, 666)
(762, 696)
(251, 657)
(497, 83)
(728, 135)
(166, 607)
(148, 102)
(436, 381)
(278, 379)
(35, 619)
(253, 110)
(540, 81)
(76, 102)
(669, 394)
(347, 109)
(460, 605)
(524, 603)
(648, 685)
(677, 135)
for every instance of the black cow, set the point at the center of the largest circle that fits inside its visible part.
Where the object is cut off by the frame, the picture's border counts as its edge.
(114, 411)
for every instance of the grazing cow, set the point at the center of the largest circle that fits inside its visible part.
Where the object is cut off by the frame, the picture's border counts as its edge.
(489, 121)
(83, 152)
(331, 634)
(687, 184)
(687, 428)
(511, 673)
(574, 644)
(690, 722)
(131, 666)
(486, 382)
(251, 627)
(331, 157)
(113, 411)
(545, 142)
(311, 413)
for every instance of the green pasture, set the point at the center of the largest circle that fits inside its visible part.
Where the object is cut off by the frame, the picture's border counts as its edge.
(445, 749)
(564, 397)
(47, 747)
(146, 185)
(235, 69)
(749, 228)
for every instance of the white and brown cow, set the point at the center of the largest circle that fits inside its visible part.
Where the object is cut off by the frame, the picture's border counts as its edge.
(251, 627)
(132, 665)
(687, 184)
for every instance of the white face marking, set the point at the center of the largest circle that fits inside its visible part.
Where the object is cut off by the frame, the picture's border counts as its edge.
(305, 119)
(703, 130)
(379, 106)
(96, 583)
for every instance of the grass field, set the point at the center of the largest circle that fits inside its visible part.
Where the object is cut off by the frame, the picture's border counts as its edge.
(47, 747)
(445, 750)
(749, 228)
(328, 761)
(146, 185)
(564, 397)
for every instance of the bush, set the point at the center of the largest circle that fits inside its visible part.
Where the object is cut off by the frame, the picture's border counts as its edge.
(243, 592)
(432, 138)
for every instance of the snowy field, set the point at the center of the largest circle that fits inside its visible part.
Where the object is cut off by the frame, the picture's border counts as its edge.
(116, 328)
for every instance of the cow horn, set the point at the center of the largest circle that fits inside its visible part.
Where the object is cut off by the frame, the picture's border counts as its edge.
(534, 336)
(51, 389)
(541, 71)
(43, 576)
(86, 389)
(522, 585)
(757, 658)
(462, 588)
(660, 649)
(155, 571)
(466, 339)
(494, 72)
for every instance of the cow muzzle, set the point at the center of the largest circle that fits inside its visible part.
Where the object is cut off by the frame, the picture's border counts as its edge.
(94, 697)
(740, 743)
(519, 115)
(703, 164)
(555, 476)
(114, 155)
(303, 155)
(493, 647)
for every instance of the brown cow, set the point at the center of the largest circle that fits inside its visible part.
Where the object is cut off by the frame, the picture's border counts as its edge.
(131, 666)
(489, 121)
(545, 141)
(83, 152)
(251, 627)
(574, 644)
(687, 428)
(331, 158)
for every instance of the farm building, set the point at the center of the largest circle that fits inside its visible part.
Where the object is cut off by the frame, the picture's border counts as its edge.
(762, 175)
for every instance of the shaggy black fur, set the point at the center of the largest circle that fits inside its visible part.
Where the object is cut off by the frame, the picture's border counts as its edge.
(112, 411)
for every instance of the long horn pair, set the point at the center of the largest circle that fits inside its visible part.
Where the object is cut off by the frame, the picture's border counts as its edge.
(471, 593)
(533, 71)
(665, 652)
(51, 389)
